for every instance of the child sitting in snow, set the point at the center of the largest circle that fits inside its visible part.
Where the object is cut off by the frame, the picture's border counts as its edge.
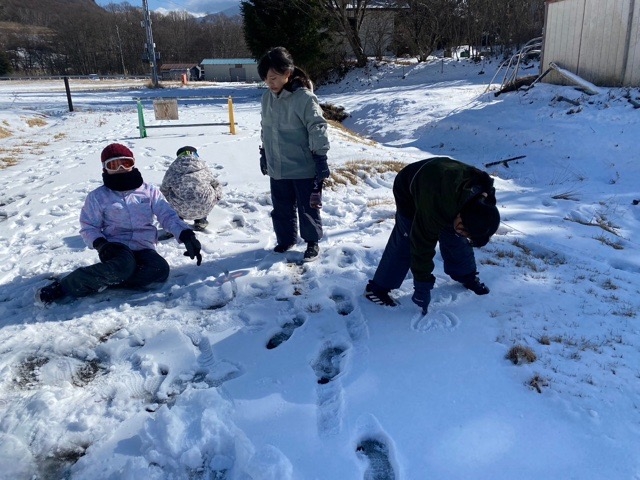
(190, 187)
(117, 220)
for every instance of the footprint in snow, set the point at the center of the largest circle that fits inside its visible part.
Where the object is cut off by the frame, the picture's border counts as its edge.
(286, 332)
(328, 364)
(330, 393)
(344, 305)
(376, 453)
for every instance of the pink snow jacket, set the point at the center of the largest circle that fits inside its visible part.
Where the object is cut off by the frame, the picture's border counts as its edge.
(127, 217)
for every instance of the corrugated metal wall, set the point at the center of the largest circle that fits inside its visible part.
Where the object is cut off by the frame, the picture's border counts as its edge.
(599, 40)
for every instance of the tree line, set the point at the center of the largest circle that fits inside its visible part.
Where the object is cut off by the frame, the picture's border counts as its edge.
(321, 34)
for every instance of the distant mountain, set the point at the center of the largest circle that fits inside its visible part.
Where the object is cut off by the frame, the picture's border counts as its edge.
(44, 12)
(232, 10)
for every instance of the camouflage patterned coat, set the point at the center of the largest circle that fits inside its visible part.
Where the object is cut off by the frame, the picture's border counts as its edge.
(190, 187)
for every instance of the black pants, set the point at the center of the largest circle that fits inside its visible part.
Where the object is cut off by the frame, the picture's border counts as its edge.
(287, 197)
(457, 255)
(129, 269)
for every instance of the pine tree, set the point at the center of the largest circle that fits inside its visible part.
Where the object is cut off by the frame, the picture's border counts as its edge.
(5, 66)
(298, 27)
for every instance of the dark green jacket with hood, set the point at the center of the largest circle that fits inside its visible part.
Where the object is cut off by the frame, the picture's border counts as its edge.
(432, 193)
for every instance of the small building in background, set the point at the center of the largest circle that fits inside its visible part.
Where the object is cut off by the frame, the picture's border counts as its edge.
(175, 71)
(598, 40)
(230, 70)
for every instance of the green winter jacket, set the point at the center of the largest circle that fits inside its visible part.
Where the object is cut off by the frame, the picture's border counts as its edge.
(293, 129)
(432, 193)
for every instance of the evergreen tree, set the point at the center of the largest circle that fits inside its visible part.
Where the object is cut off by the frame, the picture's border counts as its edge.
(5, 66)
(297, 26)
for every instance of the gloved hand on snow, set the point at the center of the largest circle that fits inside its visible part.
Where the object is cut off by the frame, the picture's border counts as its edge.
(422, 295)
(192, 245)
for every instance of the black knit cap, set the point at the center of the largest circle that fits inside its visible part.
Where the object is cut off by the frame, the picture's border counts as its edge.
(480, 219)
(186, 150)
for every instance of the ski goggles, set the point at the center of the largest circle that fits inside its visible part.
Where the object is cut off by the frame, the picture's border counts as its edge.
(189, 153)
(116, 164)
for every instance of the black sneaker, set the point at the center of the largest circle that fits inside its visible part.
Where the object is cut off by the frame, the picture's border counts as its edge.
(311, 253)
(200, 224)
(282, 248)
(476, 286)
(379, 296)
(51, 293)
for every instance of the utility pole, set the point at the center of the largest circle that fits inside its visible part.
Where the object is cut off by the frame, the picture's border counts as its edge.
(150, 47)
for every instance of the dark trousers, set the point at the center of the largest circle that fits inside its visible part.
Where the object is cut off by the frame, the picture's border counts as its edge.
(129, 269)
(457, 255)
(287, 197)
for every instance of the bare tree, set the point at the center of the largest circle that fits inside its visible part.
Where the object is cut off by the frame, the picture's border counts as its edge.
(425, 25)
(348, 16)
(377, 31)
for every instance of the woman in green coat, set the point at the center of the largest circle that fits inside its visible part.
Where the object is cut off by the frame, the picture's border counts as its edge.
(294, 150)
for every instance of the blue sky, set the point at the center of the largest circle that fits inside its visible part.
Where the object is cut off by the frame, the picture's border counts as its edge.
(192, 6)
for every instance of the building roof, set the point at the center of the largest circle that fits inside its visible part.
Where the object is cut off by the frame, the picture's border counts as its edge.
(228, 61)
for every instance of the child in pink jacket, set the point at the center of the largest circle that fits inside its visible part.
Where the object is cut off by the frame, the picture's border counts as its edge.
(117, 220)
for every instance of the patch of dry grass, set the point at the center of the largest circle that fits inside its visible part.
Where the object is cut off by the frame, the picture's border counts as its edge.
(616, 245)
(356, 171)
(350, 134)
(4, 133)
(9, 157)
(519, 354)
(36, 122)
(376, 202)
(537, 383)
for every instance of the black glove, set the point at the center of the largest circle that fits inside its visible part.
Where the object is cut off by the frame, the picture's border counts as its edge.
(192, 245)
(263, 161)
(422, 295)
(108, 250)
(315, 201)
(322, 168)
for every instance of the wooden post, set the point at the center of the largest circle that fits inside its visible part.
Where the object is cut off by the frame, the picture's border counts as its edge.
(232, 123)
(66, 87)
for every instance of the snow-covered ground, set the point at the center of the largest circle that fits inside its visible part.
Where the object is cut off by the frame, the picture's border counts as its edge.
(254, 367)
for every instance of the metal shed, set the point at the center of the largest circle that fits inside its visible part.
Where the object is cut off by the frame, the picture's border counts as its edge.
(230, 70)
(174, 71)
(599, 40)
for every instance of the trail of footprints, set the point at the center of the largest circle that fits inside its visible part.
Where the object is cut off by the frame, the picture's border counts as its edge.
(117, 360)
(327, 367)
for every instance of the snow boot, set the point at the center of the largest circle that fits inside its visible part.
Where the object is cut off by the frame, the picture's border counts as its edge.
(378, 295)
(476, 286)
(51, 293)
(200, 224)
(282, 248)
(311, 253)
